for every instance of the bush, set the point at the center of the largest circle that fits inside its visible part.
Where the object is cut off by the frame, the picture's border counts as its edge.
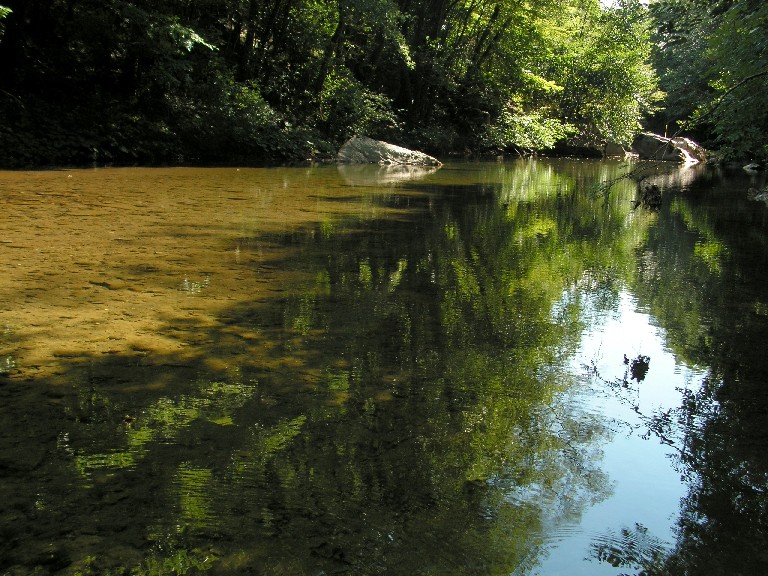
(348, 108)
(524, 132)
(235, 126)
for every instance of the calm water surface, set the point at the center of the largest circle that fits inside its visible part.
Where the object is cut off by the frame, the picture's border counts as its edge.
(485, 369)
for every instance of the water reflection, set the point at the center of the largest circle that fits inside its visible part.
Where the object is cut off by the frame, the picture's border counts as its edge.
(709, 295)
(378, 175)
(294, 371)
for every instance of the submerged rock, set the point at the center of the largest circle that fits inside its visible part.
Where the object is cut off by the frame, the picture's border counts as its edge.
(758, 195)
(364, 150)
(615, 150)
(648, 196)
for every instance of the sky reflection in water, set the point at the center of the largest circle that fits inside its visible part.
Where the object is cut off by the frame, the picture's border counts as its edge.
(646, 487)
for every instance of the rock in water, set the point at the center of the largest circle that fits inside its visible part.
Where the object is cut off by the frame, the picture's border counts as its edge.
(649, 195)
(759, 195)
(650, 146)
(614, 150)
(364, 150)
(694, 150)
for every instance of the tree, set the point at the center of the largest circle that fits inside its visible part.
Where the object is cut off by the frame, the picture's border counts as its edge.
(711, 57)
(139, 81)
(600, 58)
(738, 51)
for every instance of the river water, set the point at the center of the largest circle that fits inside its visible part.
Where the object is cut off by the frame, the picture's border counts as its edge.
(489, 368)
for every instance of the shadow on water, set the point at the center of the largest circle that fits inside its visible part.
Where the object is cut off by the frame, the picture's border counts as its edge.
(392, 397)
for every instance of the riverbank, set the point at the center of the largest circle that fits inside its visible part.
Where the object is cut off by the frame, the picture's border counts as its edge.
(33, 141)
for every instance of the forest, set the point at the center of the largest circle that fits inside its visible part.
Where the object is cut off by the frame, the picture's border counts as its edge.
(147, 82)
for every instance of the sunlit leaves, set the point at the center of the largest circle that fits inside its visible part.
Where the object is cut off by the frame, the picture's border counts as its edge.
(4, 11)
(188, 38)
(600, 57)
(526, 132)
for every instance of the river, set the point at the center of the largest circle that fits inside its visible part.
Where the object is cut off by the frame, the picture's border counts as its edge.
(489, 368)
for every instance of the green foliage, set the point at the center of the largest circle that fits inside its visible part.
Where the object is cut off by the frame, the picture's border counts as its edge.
(437, 137)
(239, 125)
(712, 61)
(680, 38)
(524, 132)
(348, 107)
(4, 11)
(738, 50)
(133, 82)
(600, 59)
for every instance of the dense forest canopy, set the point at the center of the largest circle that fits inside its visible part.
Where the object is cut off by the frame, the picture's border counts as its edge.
(170, 81)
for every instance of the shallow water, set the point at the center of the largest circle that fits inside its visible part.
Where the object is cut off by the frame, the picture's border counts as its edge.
(489, 368)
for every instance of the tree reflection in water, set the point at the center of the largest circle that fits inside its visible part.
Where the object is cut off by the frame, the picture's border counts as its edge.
(706, 288)
(402, 408)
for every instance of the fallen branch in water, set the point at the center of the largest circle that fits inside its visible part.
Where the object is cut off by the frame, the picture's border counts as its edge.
(648, 194)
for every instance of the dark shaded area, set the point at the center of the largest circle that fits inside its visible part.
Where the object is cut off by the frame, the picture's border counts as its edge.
(711, 70)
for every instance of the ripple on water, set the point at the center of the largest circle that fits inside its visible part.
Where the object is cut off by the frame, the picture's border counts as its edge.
(631, 547)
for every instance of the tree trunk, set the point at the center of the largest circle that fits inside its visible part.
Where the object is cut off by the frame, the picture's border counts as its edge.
(332, 49)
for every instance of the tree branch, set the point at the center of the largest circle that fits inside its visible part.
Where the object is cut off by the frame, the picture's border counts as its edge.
(723, 96)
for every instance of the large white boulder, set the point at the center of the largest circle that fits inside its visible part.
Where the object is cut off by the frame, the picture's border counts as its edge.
(694, 150)
(364, 150)
(649, 146)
